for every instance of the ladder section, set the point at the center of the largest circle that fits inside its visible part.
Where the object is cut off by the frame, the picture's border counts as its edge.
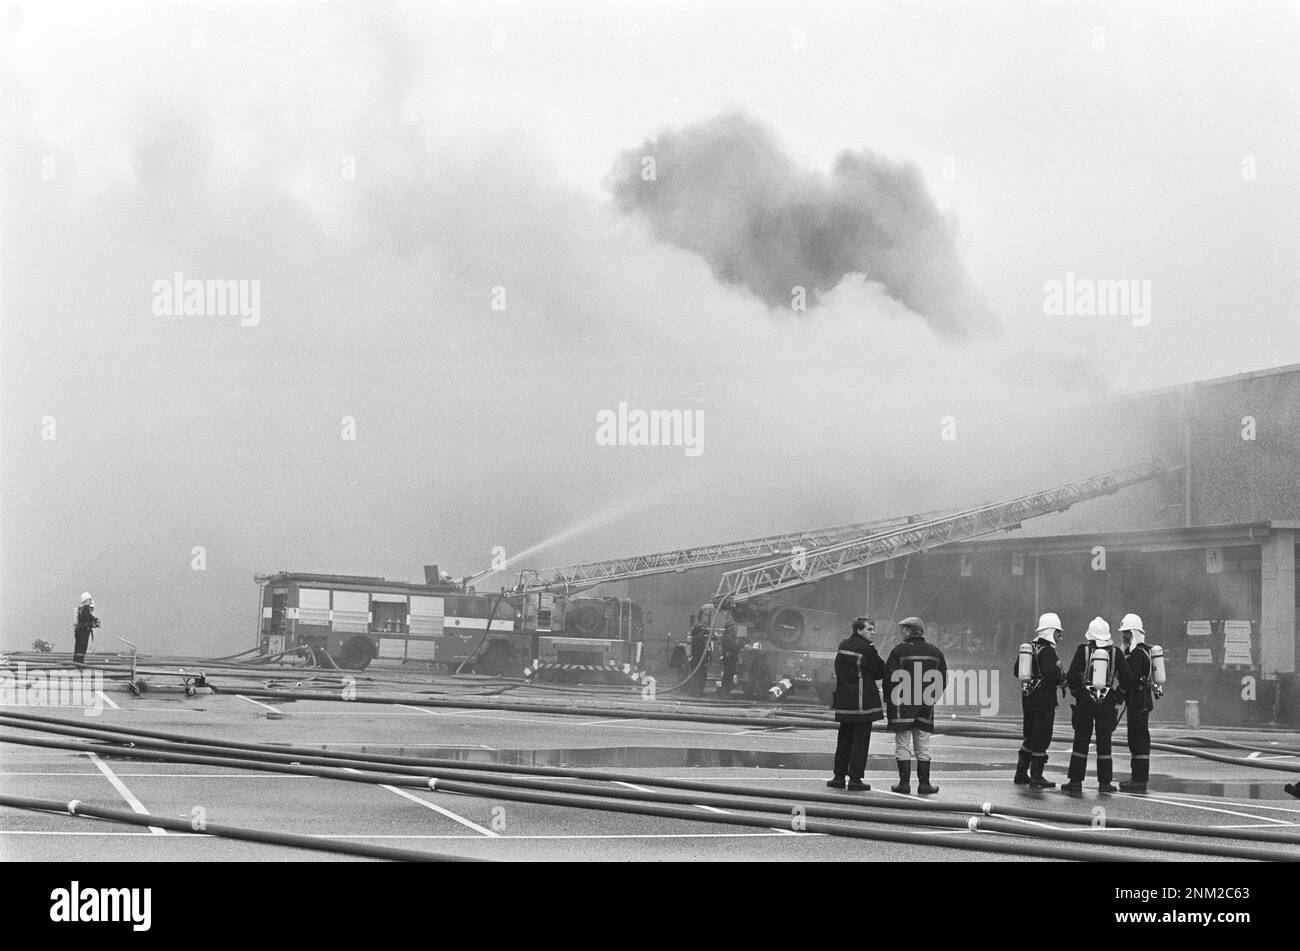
(587, 574)
(744, 584)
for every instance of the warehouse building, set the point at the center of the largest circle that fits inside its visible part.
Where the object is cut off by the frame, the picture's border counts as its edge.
(1206, 554)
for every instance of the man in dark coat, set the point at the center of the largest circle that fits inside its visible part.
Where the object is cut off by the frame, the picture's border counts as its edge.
(856, 703)
(84, 627)
(1140, 700)
(1095, 705)
(915, 677)
(1038, 704)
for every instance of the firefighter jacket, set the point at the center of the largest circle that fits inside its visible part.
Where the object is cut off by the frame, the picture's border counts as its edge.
(86, 621)
(1140, 696)
(915, 676)
(1080, 675)
(857, 668)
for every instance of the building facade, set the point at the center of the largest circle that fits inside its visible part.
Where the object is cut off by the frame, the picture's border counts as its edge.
(1206, 554)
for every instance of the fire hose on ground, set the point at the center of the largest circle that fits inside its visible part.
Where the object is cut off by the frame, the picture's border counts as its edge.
(81, 809)
(647, 806)
(295, 762)
(766, 721)
(453, 769)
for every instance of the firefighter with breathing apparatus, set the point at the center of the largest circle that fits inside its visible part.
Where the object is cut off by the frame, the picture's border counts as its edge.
(1099, 677)
(1039, 671)
(1147, 663)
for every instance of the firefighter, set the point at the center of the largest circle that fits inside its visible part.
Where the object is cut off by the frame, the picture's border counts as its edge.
(83, 631)
(915, 676)
(730, 657)
(1097, 670)
(1141, 700)
(1038, 703)
(699, 651)
(856, 703)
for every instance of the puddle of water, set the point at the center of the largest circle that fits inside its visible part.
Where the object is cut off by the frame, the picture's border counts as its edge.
(642, 757)
(1243, 790)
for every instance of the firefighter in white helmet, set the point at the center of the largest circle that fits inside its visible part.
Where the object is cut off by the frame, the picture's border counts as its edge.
(1039, 686)
(1099, 676)
(1141, 701)
(83, 629)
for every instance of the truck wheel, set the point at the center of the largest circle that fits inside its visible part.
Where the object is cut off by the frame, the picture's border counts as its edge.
(356, 654)
(585, 620)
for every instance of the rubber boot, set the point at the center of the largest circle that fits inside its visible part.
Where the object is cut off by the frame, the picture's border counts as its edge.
(857, 785)
(836, 782)
(1022, 770)
(904, 777)
(1074, 787)
(1036, 779)
(1132, 786)
(923, 774)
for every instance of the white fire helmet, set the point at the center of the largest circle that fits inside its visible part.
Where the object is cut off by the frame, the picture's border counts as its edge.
(86, 598)
(1048, 624)
(1099, 632)
(1133, 625)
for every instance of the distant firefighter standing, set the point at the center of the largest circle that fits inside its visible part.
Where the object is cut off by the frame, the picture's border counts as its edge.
(84, 629)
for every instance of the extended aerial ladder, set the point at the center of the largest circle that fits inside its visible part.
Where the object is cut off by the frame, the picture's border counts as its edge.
(745, 584)
(576, 577)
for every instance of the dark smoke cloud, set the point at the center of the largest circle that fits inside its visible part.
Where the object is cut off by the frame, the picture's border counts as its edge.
(725, 190)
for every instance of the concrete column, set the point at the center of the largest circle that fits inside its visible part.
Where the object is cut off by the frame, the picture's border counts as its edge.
(1277, 629)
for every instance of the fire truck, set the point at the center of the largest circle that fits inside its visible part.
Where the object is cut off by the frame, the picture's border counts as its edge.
(544, 626)
(789, 646)
(356, 619)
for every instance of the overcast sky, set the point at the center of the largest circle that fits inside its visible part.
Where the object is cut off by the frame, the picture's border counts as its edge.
(385, 171)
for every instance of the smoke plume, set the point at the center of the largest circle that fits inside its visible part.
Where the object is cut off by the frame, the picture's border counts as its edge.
(725, 190)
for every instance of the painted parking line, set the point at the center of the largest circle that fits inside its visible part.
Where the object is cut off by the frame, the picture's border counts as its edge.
(455, 817)
(697, 805)
(122, 790)
(1228, 801)
(265, 706)
(1188, 805)
(103, 696)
